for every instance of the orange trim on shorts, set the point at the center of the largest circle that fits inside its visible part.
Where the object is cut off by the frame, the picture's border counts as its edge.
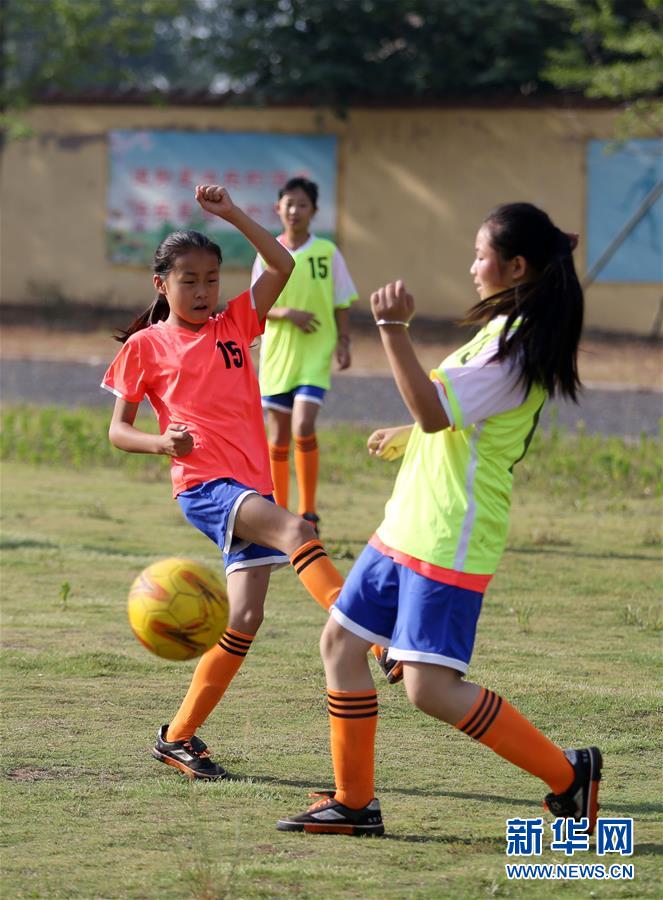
(465, 580)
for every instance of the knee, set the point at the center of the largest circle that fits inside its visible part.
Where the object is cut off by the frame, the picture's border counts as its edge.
(328, 643)
(299, 532)
(433, 689)
(303, 430)
(278, 429)
(333, 643)
(282, 436)
(417, 693)
(247, 620)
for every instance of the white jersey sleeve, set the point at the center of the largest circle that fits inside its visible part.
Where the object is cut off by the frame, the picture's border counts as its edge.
(257, 269)
(473, 387)
(345, 291)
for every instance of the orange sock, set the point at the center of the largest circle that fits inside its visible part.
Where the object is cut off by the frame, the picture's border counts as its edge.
(320, 577)
(278, 463)
(317, 573)
(213, 674)
(307, 460)
(494, 722)
(353, 721)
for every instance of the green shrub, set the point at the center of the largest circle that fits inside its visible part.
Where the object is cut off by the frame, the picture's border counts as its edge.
(578, 464)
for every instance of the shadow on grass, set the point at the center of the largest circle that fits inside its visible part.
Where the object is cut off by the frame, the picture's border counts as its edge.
(407, 792)
(26, 543)
(105, 550)
(631, 808)
(636, 810)
(475, 843)
(492, 843)
(338, 547)
(550, 551)
(649, 849)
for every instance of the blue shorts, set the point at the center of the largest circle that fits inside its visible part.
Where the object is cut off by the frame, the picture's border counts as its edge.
(418, 619)
(284, 402)
(212, 507)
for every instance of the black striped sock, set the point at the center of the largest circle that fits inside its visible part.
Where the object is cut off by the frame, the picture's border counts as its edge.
(235, 643)
(279, 454)
(307, 554)
(482, 715)
(352, 705)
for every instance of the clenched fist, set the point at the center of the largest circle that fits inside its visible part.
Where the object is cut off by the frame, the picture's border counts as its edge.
(176, 440)
(392, 303)
(215, 199)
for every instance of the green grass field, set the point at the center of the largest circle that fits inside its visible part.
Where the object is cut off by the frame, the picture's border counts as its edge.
(570, 633)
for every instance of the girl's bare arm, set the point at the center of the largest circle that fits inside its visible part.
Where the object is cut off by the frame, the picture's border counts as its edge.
(175, 441)
(278, 262)
(394, 306)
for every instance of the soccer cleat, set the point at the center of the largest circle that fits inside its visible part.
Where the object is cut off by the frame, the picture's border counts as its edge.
(191, 757)
(314, 520)
(581, 799)
(392, 668)
(328, 816)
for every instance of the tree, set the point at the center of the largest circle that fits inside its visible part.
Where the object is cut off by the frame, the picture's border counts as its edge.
(78, 45)
(616, 54)
(326, 52)
(332, 53)
(387, 51)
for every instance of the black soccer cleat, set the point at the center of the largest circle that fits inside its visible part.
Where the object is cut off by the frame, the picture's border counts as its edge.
(392, 668)
(314, 520)
(580, 801)
(191, 757)
(328, 816)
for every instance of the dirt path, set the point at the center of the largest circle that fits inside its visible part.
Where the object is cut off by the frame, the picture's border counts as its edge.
(363, 400)
(51, 362)
(611, 362)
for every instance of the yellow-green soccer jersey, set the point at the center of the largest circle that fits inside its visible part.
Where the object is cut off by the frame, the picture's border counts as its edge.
(320, 283)
(451, 499)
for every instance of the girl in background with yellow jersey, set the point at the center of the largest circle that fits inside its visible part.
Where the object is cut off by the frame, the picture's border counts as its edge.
(307, 326)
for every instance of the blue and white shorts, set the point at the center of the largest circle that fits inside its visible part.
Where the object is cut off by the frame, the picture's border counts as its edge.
(212, 507)
(418, 619)
(285, 402)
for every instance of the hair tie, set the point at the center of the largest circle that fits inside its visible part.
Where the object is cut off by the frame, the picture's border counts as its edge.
(566, 242)
(562, 244)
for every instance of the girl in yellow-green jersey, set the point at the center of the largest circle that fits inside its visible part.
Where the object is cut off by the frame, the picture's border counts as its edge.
(307, 326)
(418, 587)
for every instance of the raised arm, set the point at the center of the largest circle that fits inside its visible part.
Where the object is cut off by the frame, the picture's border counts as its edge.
(393, 307)
(278, 262)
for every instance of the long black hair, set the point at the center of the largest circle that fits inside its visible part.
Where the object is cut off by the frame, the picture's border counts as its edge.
(171, 247)
(548, 306)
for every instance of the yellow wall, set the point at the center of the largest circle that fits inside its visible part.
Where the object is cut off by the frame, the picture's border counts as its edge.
(413, 187)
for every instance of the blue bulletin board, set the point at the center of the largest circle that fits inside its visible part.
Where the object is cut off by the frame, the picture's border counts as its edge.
(619, 178)
(152, 175)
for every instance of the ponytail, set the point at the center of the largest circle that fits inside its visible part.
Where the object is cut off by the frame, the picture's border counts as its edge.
(172, 246)
(157, 311)
(544, 315)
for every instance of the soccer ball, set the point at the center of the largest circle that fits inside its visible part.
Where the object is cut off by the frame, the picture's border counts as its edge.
(177, 608)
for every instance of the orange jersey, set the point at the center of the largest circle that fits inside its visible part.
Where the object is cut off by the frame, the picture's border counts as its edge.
(205, 380)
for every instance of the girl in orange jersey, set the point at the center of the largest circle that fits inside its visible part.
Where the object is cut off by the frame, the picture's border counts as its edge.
(195, 369)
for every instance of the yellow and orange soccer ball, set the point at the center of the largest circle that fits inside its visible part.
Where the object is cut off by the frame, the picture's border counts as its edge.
(178, 608)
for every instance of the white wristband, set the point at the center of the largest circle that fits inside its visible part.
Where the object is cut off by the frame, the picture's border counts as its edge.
(392, 322)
